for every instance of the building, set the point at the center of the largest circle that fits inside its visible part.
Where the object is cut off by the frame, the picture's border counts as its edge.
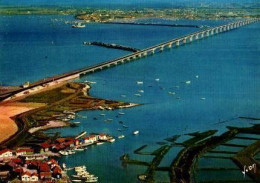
(6, 153)
(34, 177)
(93, 138)
(22, 152)
(102, 137)
(26, 177)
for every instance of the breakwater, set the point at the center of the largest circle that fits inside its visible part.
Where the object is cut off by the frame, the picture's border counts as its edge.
(114, 46)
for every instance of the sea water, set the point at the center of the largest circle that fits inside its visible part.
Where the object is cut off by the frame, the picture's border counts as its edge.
(226, 66)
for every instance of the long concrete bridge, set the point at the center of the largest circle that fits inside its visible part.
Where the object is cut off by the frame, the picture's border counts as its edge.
(130, 57)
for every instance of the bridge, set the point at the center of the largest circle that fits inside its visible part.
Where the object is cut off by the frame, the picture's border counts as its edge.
(130, 57)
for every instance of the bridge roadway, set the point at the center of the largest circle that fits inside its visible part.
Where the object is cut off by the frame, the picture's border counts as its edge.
(139, 54)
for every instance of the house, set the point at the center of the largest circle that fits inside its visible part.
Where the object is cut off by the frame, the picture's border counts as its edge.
(60, 140)
(45, 147)
(69, 143)
(57, 173)
(93, 138)
(6, 153)
(26, 176)
(87, 140)
(34, 177)
(102, 137)
(44, 167)
(45, 175)
(76, 142)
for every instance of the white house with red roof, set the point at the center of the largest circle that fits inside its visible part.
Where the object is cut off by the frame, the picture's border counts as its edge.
(102, 136)
(93, 138)
(26, 177)
(25, 151)
(6, 153)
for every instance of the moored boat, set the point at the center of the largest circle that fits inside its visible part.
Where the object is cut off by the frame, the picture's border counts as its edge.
(136, 132)
(121, 136)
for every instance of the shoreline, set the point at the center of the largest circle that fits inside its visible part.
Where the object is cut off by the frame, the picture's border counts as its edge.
(72, 97)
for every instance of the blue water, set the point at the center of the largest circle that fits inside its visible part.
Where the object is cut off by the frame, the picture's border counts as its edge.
(34, 47)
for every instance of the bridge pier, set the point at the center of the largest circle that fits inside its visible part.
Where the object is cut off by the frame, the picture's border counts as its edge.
(177, 43)
(191, 37)
(212, 31)
(161, 48)
(202, 34)
(197, 36)
(207, 34)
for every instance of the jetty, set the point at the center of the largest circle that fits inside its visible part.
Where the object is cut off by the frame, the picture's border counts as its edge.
(157, 24)
(114, 46)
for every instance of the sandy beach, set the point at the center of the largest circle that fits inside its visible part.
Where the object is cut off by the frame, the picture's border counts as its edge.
(8, 126)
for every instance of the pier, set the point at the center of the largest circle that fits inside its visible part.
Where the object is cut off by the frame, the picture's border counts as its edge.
(189, 38)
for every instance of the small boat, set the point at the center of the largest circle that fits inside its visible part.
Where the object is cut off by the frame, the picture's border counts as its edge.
(136, 132)
(139, 82)
(111, 140)
(157, 79)
(109, 119)
(78, 25)
(76, 122)
(125, 126)
(100, 143)
(64, 153)
(76, 180)
(171, 93)
(203, 98)
(188, 82)
(121, 113)
(178, 98)
(91, 180)
(102, 114)
(91, 82)
(71, 152)
(119, 129)
(79, 149)
(138, 95)
(123, 96)
(121, 136)
(197, 76)
(80, 168)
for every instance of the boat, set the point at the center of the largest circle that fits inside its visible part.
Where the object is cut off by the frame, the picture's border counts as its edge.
(121, 113)
(203, 98)
(138, 95)
(123, 96)
(76, 180)
(81, 134)
(178, 98)
(92, 180)
(79, 149)
(78, 25)
(71, 152)
(109, 119)
(141, 91)
(111, 140)
(171, 93)
(136, 132)
(119, 129)
(121, 136)
(125, 126)
(157, 79)
(197, 76)
(64, 153)
(76, 122)
(100, 143)
(102, 114)
(187, 82)
(139, 82)
(91, 82)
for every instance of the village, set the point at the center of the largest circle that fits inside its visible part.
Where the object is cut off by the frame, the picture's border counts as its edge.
(37, 164)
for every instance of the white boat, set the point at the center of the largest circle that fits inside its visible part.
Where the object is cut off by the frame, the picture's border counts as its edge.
(76, 180)
(64, 153)
(111, 140)
(138, 95)
(78, 25)
(121, 113)
(171, 93)
(188, 82)
(100, 143)
(203, 98)
(91, 180)
(102, 114)
(123, 96)
(125, 126)
(141, 91)
(139, 82)
(157, 79)
(136, 132)
(80, 168)
(71, 152)
(121, 136)
(197, 76)
(76, 122)
(91, 82)
(109, 119)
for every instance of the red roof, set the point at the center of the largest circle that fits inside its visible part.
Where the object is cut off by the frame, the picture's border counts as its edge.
(44, 167)
(61, 140)
(56, 170)
(17, 160)
(4, 151)
(45, 145)
(26, 173)
(86, 138)
(102, 135)
(35, 174)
